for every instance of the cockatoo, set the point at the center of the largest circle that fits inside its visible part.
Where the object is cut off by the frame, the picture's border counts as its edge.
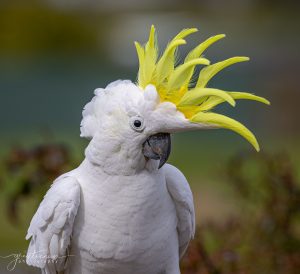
(124, 210)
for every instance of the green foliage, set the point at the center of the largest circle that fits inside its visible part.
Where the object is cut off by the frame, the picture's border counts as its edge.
(264, 237)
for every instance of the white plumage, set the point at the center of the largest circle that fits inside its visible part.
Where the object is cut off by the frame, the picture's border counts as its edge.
(117, 212)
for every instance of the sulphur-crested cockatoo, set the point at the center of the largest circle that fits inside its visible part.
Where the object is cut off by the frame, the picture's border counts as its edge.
(123, 210)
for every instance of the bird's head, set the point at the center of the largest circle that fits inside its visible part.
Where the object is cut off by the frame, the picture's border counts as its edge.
(131, 123)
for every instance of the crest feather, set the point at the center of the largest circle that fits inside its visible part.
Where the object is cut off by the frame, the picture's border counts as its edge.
(181, 76)
(151, 53)
(214, 101)
(184, 33)
(141, 56)
(228, 123)
(210, 71)
(166, 63)
(197, 51)
(173, 83)
(195, 96)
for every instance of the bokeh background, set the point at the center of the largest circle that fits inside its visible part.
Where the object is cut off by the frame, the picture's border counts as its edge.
(54, 53)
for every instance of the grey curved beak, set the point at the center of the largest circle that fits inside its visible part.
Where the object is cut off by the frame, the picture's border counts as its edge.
(158, 147)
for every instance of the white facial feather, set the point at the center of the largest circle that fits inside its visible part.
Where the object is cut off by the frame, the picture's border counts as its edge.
(118, 100)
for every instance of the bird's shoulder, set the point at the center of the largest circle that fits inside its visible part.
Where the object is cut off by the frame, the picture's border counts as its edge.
(178, 185)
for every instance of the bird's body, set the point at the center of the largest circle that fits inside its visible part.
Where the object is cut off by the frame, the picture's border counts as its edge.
(127, 223)
(123, 210)
(124, 222)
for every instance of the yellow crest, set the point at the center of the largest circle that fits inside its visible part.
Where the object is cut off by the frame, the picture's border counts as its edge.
(175, 83)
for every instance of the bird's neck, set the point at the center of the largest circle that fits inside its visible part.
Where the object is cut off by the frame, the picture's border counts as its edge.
(115, 158)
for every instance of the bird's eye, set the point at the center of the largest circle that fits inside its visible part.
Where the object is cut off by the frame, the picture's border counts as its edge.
(137, 123)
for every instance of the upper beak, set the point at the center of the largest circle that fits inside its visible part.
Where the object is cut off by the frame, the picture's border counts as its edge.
(158, 147)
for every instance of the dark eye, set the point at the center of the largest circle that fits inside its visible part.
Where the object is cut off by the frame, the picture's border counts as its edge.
(137, 123)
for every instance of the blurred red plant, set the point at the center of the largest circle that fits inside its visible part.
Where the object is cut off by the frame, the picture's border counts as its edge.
(27, 171)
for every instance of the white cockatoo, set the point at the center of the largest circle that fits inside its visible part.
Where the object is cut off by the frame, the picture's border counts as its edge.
(124, 210)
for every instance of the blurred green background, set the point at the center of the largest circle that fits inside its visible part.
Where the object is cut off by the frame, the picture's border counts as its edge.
(54, 53)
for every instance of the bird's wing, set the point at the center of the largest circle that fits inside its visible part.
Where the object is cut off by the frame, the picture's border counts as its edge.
(182, 196)
(51, 227)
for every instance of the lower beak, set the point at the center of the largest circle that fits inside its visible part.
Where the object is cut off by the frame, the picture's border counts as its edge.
(158, 147)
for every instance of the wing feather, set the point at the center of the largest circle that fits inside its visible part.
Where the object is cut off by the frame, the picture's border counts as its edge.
(182, 196)
(51, 227)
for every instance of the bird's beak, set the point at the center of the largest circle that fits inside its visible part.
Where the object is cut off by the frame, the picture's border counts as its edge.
(158, 147)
